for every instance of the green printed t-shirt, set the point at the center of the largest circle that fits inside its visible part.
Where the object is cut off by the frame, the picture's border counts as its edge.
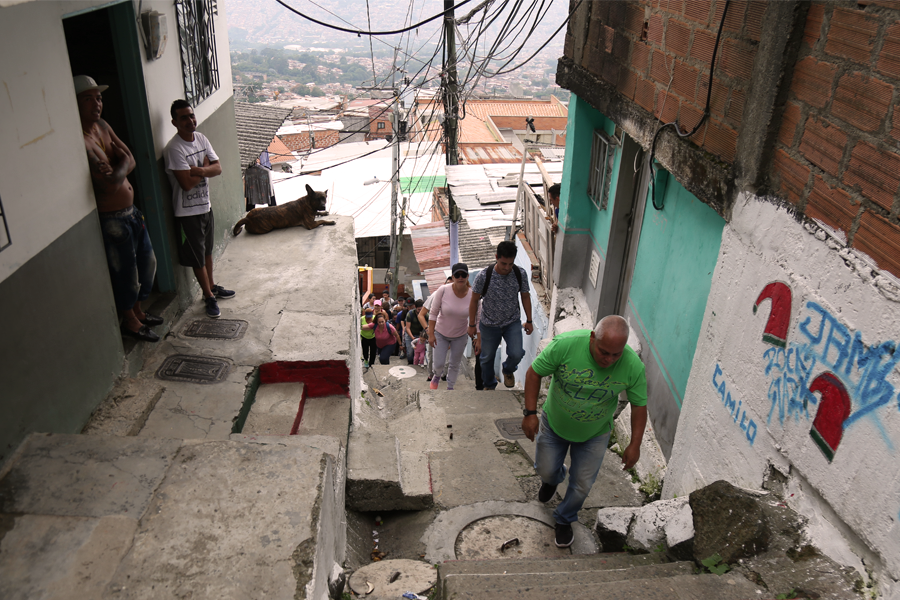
(583, 396)
(369, 334)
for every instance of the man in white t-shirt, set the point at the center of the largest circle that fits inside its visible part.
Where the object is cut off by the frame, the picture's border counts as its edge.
(190, 162)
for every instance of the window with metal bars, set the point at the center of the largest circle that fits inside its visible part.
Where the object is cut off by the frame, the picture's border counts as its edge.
(197, 42)
(602, 158)
(5, 242)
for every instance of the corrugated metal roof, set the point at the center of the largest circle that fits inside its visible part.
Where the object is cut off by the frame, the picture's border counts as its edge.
(256, 126)
(431, 245)
(476, 154)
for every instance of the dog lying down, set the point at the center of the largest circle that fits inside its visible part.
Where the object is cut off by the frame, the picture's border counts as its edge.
(302, 211)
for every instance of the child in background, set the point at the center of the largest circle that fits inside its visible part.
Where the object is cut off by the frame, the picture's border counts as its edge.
(420, 344)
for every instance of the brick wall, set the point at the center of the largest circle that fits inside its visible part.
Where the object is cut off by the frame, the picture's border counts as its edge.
(379, 115)
(837, 156)
(658, 53)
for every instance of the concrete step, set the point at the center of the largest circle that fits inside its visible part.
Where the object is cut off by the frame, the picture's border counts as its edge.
(381, 477)
(677, 587)
(500, 583)
(572, 564)
(133, 517)
(274, 409)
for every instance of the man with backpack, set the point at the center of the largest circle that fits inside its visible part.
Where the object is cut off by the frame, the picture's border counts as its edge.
(500, 285)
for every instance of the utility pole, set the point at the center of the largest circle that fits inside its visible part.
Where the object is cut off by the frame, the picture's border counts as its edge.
(395, 185)
(399, 134)
(451, 123)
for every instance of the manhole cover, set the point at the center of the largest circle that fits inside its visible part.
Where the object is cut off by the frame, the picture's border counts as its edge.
(375, 579)
(519, 537)
(221, 329)
(511, 429)
(193, 369)
(402, 372)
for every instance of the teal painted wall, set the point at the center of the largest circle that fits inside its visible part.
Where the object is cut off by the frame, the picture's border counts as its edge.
(576, 211)
(678, 249)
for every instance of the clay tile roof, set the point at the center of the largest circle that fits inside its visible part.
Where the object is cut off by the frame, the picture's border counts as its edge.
(278, 152)
(256, 126)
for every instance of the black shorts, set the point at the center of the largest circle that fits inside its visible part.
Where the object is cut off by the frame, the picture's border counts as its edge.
(195, 239)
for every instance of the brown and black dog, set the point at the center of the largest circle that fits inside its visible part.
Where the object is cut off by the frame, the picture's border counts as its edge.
(302, 211)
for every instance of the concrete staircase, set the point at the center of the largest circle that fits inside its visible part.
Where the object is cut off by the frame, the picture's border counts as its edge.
(418, 445)
(599, 576)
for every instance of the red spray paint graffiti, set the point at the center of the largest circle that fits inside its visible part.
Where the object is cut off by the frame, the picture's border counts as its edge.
(780, 315)
(828, 426)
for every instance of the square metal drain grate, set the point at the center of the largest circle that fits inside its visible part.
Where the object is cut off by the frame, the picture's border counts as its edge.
(511, 429)
(221, 329)
(193, 369)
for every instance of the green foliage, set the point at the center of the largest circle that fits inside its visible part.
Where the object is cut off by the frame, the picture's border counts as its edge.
(660, 548)
(652, 486)
(787, 595)
(712, 564)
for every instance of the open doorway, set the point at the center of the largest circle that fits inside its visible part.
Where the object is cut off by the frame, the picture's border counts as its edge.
(103, 43)
(624, 231)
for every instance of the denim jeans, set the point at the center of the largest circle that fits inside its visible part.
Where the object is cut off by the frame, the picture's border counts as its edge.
(410, 351)
(384, 354)
(587, 456)
(129, 255)
(490, 341)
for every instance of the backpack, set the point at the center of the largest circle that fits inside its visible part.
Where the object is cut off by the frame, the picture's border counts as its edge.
(487, 278)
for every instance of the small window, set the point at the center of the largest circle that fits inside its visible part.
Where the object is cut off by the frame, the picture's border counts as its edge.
(380, 124)
(4, 231)
(602, 157)
(197, 42)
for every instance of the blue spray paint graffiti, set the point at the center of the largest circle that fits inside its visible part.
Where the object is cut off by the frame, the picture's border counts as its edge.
(740, 416)
(827, 344)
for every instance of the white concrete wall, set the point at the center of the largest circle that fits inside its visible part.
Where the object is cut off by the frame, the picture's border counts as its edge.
(163, 79)
(748, 405)
(45, 187)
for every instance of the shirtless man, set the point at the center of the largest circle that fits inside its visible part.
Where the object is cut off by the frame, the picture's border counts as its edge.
(129, 254)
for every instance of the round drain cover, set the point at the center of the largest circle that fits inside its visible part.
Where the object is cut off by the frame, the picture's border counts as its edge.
(484, 538)
(402, 372)
(414, 576)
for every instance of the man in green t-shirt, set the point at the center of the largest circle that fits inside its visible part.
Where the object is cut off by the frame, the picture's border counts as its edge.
(589, 369)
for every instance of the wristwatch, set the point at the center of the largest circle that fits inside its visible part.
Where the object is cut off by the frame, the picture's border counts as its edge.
(528, 413)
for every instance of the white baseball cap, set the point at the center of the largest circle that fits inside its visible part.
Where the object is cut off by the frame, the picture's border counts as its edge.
(83, 83)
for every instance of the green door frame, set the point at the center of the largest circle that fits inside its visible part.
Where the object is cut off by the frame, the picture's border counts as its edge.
(147, 184)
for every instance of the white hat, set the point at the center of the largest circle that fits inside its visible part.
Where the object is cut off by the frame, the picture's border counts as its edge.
(83, 83)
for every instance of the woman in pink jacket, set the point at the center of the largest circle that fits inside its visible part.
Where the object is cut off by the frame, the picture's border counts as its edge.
(447, 323)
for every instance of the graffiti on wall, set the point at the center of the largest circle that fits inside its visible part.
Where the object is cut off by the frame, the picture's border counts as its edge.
(779, 316)
(740, 416)
(853, 379)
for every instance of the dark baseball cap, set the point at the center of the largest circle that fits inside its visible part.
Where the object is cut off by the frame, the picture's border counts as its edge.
(459, 268)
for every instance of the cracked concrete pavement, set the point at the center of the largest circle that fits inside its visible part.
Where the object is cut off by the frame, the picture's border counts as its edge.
(159, 498)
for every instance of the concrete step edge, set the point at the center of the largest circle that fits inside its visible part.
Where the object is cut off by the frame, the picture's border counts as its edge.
(677, 587)
(612, 560)
(494, 582)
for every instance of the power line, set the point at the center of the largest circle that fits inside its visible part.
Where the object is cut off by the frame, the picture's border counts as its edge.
(359, 32)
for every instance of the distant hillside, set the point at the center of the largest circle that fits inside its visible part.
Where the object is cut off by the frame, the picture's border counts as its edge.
(258, 23)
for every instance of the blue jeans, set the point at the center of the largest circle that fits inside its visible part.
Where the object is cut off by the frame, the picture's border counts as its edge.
(410, 351)
(550, 452)
(385, 353)
(490, 341)
(129, 255)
